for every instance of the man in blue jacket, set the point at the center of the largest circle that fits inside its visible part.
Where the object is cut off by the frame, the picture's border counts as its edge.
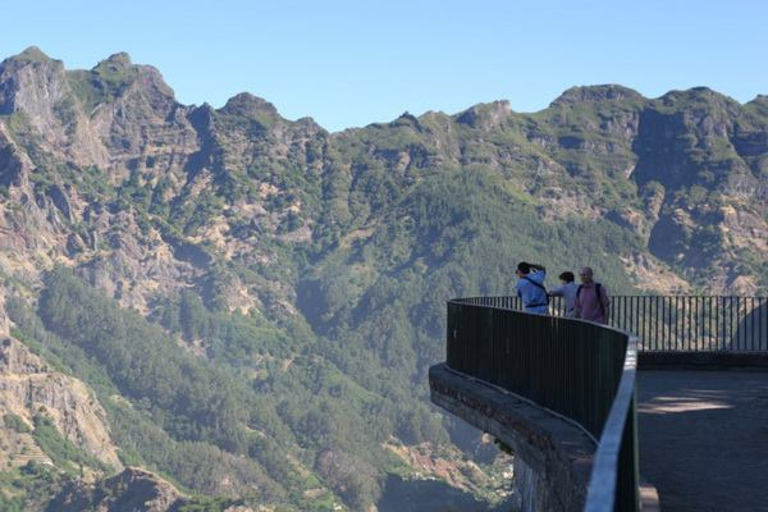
(530, 287)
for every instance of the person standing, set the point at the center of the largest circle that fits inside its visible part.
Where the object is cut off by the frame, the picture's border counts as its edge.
(530, 287)
(566, 290)
(592, 301)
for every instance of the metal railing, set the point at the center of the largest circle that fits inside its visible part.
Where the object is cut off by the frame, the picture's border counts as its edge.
(582, 371)
(678, 323)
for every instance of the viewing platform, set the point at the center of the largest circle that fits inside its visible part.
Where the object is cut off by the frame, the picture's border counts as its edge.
(666, 408)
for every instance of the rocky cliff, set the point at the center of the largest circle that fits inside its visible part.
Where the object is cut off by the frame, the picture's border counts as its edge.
(132, 489)
(29, 387)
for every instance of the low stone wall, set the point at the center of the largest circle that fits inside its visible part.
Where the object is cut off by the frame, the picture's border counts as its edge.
(556, 455)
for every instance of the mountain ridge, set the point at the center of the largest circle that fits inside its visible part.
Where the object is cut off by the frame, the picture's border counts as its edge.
(576, 94)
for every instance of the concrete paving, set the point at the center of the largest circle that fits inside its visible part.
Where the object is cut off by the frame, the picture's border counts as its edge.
(704, 438)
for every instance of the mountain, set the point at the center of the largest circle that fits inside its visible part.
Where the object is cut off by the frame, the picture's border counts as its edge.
(253, 302)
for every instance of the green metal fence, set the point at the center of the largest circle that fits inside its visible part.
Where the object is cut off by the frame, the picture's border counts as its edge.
(580, 370)
(679, 323)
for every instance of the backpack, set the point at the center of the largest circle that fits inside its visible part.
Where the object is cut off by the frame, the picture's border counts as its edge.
(537, 285)
(598, 291)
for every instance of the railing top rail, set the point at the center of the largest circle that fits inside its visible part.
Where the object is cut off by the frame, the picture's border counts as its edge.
(604, 480)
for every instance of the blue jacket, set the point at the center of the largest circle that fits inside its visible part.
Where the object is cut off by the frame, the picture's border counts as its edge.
(534, 297)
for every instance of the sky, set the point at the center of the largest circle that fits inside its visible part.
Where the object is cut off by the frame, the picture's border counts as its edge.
(352, 63)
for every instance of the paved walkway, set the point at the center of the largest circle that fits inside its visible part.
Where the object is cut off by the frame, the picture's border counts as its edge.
(704, 438)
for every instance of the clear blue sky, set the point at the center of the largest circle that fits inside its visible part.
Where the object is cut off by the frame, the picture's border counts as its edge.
(350, 63)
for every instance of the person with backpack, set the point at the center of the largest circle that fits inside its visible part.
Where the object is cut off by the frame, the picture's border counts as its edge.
(567, 291)
(530, 287)
(592, 301)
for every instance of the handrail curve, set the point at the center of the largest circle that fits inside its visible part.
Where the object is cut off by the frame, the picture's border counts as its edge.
(581, 370)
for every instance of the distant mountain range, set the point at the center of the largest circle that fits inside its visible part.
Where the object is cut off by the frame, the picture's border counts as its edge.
(247, 306)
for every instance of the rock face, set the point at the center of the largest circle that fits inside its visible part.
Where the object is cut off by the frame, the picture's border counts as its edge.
(28, 386)
(132, 489)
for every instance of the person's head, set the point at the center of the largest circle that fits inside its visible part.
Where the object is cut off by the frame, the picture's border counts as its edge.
(523, 268)
(586, 274)
(566, 277)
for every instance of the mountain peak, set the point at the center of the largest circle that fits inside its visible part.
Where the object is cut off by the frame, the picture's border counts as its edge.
(760, 102)
(115, 63)
(33, 54)
(485, 114)
(120, 59)
(596, 93)
(696, 92)
(699, 96)
(29, 70)
(406, 118)
(114, 75)
(247, 105)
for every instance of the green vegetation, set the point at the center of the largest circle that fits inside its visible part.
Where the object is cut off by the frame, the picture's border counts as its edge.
(190, 397)
(16, 423)
(29, 487)
(206, 504)
(102, 84)
(65, 455)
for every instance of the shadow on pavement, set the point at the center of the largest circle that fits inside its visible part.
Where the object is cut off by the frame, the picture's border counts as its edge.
(704, 438)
